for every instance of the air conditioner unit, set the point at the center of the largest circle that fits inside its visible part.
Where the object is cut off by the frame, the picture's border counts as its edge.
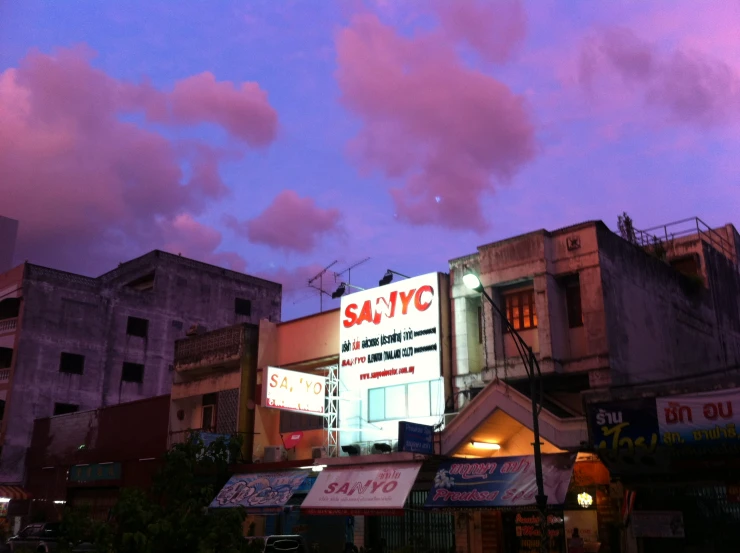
(318, 452)
(273, 454)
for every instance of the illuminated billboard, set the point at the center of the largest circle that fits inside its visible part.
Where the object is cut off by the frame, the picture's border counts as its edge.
(294, 391)
(390, 358)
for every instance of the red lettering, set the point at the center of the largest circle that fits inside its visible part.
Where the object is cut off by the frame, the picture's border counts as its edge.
(331, 488)
(344, 488)
(273, 381)
(390, 307)
(418, 303)
(390, 486)
(350, 315)
(318, 388)
(406, 298)
(366, 315)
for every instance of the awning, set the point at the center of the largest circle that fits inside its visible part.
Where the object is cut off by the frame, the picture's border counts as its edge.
(362, 490)
(265, 492)
(499, 482)
(13, 492)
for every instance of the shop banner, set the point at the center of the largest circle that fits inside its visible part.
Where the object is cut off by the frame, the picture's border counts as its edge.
(624, 425)
(366, 489)
(707, 419)
(259, 492)
(499, 482)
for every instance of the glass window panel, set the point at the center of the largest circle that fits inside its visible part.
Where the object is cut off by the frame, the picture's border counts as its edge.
(395, 402)
(419, 405)
(376, 401)
(437, 397)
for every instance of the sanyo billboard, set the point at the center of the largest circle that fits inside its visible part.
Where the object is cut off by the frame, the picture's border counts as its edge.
(390, 358)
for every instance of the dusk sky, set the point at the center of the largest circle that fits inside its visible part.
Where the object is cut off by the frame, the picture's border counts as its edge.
(277, 136)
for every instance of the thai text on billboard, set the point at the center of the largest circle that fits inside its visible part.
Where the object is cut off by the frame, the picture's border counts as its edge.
(391, 334)
(294, 391)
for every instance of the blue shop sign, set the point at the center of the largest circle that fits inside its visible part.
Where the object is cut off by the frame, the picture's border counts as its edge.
(259, 492)
(415, 438)
(624, 425)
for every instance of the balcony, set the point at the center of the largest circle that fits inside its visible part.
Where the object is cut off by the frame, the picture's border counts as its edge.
(220, 348)
(8, 325)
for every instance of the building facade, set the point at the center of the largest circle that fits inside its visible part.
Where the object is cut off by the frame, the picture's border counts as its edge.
(86, 458)
(70, 342)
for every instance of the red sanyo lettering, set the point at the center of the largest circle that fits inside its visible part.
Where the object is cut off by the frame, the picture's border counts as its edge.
(361, 487)
(421, 298)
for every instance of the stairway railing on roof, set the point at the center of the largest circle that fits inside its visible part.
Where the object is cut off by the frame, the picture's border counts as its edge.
(685, 228)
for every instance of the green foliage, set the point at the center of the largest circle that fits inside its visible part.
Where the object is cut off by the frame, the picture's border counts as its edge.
(174, 516)
(626, 228)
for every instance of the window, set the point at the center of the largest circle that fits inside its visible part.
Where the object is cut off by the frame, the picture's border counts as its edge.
(520, 309)
(209, 412)
(294, 422)
(573, 301)
(416, 400)
(71, 363)
(242, 307)
(137, 327)
(65, 408)
(9, 308)
(6, 357)
(132, 372)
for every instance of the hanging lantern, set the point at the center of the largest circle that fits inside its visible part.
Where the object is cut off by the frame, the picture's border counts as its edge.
(585, 500)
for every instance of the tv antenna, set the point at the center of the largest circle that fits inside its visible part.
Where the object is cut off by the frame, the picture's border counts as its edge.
(320, 287)
(348, 270)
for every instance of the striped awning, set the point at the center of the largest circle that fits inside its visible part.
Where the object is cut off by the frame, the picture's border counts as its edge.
(13, 492)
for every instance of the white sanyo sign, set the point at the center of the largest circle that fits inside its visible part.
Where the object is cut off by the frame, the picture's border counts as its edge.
(294, 391)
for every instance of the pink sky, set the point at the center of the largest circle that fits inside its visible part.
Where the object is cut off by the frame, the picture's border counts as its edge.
(275, 138)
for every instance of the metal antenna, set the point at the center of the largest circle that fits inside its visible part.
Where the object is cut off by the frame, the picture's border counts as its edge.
(320, 287)
(348, 270)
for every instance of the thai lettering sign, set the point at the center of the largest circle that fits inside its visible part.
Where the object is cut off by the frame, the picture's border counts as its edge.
(700, 419)
(294, 391)
(626, 425)
(362, 490)
(528, 532)
(499, 482)
(260, 492)
(95, 472)
(415, 438)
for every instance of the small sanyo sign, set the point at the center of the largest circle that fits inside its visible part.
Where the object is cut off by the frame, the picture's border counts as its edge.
(294, 391)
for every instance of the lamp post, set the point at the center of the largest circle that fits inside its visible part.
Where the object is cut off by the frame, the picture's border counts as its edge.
(531, 365)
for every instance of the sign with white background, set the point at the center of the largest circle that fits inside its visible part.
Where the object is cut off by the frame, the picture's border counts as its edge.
(294, 391)
(390, 339)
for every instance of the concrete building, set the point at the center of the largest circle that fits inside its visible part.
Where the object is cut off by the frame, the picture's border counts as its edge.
(599, 310)
(8, 236)
(70, 342)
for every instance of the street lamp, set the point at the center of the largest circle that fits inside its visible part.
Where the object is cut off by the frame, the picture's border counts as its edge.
(531, 365)
(342, 289)
(388, 277)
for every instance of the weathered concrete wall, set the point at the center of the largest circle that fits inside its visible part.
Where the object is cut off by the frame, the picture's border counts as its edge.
(660, 324)
(63, 312)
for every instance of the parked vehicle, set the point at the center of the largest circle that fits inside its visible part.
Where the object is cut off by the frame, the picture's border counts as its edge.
(40, 538)
(286, 544)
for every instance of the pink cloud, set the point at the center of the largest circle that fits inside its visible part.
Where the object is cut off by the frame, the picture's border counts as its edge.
(493, 29)
(447, 130)
(88, 188)
(690, 87)
(290, 223)
(244, 112)
(184, 235)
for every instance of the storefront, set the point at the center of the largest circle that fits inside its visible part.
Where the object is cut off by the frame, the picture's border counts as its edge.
(498, 496)
(383, 503)
(676, 458)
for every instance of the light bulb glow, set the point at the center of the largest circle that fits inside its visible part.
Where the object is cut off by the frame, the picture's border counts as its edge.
(471, 281)
(486, 445)
(585, 500)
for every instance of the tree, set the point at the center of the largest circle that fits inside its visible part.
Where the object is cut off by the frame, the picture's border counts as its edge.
(174, 517)
(626, 228)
